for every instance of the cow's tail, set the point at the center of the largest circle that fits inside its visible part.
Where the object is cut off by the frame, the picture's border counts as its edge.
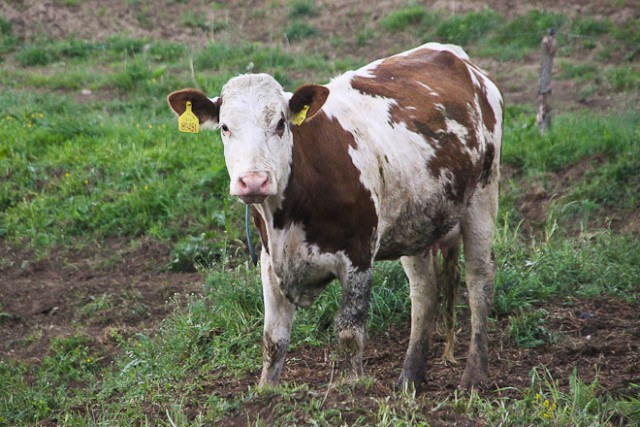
(448, 283)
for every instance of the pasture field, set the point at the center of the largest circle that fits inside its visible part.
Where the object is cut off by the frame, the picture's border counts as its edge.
(126, 292)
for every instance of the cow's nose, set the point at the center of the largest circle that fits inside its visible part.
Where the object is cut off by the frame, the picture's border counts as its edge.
(254, 183)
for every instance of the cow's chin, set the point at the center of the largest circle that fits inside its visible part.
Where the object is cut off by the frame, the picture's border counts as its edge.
(253, 200)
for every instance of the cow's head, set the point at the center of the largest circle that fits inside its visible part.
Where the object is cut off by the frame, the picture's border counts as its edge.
(255, 117)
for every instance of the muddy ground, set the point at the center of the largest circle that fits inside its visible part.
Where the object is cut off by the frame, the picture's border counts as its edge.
(48, 297)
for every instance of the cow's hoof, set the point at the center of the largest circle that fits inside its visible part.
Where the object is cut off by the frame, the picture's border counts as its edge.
(406, 384)
(473, 380)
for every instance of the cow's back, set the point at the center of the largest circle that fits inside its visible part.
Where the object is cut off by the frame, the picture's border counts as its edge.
(427, 130)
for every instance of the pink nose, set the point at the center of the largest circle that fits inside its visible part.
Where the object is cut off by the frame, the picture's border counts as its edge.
(254, 182)
(253, 187)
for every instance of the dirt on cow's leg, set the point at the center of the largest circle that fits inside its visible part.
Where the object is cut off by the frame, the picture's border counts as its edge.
(278, 318)
(478, 229)
(476, 372)
(352, 319)
(351, 346)
(420, 270)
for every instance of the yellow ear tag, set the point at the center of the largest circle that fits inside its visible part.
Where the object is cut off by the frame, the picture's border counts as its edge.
(299, 118)
(188, 122)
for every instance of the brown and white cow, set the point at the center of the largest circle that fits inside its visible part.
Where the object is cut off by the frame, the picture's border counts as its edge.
(394, 160)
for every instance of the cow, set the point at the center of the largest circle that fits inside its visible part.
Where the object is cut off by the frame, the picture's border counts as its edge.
(396, 160)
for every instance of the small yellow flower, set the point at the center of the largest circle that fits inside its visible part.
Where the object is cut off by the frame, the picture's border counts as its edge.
(88, 360)
(86, 182)
(67, 174)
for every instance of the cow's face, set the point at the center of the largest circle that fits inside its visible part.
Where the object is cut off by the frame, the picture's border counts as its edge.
(255, 117)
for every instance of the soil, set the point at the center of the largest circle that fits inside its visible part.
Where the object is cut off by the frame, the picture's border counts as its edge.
(52, 296)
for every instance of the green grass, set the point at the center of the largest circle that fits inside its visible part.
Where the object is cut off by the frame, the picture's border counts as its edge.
(402, 19)
(300, 30)
(464, 29)
(302, 8)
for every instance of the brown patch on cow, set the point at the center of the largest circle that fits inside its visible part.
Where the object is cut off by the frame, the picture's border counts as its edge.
(456, 165)
(403, 79)
(489, 155)
(325, 194)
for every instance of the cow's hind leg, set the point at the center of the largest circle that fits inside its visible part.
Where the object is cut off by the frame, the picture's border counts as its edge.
(352, 318)
(424, 300)
(278, 318)
(478, 229)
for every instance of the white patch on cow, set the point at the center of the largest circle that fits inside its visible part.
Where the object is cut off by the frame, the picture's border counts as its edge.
(473, 75)
(296, 261)
(459, 130)
(456, 50)
(366, 71)
(493, 97)
(431, 91)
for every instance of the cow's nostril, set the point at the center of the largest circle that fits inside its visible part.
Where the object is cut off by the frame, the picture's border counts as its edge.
(242, 184)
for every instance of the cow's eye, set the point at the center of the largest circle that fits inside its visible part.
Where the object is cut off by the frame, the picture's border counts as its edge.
(225, 130)
(280, 127)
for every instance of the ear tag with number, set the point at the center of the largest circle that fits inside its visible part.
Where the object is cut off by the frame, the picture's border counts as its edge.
(188, 122)
(301, 116)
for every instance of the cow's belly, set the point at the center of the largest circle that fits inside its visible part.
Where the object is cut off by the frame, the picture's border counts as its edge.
(412, 230)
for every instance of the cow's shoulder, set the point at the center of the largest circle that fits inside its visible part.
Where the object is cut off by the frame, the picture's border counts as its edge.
(325, 195)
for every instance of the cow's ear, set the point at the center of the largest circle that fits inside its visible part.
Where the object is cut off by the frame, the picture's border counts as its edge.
(204, 108)
(306, 101)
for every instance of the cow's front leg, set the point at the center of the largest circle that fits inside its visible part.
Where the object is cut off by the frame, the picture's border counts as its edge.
(352, 318)
(278, 318)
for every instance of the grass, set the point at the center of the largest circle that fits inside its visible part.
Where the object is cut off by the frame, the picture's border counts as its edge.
(463, 29)
(81, 171)
(402, 19)
(302, 8)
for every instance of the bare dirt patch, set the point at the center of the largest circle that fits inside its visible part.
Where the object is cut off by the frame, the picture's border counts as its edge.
(118, 285)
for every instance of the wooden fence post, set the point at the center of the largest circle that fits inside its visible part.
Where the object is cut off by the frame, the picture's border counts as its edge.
(548, 51)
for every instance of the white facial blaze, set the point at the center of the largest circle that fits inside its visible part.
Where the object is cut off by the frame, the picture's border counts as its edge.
(251, 107)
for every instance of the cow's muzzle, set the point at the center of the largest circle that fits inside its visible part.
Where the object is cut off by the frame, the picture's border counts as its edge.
(253, 187)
